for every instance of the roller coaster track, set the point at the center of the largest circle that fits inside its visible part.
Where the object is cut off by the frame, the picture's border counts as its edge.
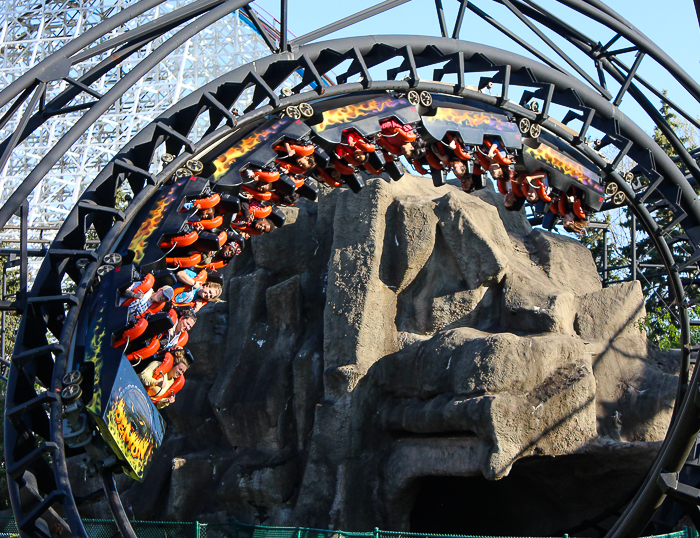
(35, 450)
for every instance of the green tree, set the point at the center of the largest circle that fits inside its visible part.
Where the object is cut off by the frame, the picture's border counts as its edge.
(595, 238)
(11, 324)
(661, 315)
(685, 132)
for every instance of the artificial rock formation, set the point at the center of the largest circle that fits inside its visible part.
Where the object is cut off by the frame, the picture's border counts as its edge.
(412, 357)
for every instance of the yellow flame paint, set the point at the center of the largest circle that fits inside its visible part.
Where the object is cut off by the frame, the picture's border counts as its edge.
(244, 146)
(348, 114)
(137, 450)
(563, 163)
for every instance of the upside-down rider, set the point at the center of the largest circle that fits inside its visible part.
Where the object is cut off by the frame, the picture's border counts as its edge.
(294, 157)
(246, 224)
(400, 139)
(537, 186)
(225, 254)
(353, 148)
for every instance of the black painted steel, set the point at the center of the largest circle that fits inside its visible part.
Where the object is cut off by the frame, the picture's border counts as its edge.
(347, 21)
(103, 104)
(151, 30)
(283, 25)
(609, 62)
(35, 359)
(115, 505)
(76, 45)
(269, 40)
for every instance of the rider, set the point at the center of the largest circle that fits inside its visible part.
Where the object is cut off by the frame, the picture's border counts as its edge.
(185, 321)
(306, 162)
(225, 253)
(390, 128)
(160, 386)
(138, 307)
(574, 224)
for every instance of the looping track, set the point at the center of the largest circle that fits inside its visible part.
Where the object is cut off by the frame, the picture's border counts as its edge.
(34, 445)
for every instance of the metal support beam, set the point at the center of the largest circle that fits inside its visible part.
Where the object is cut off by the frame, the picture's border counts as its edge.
(441, 18)
(633, 241)
(269, 40)
(599, 12)
(621, 155)
(610, 43)
(556, 49)
(37, 174)
(661, 123)
(115, 505)
(73, 46)
(83, 87)
(15, 106)
(283, 25)
(605, 257)
(659, 94)
(347, 21)
(14, 139)
(67, 110)
(4, 326)
(630, 77)
(615, 52)
(152, 29)
(21, 296)
(522, 42)
(460, 18)
(581, 137)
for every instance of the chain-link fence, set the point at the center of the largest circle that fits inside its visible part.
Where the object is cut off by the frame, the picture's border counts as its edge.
(105, 528)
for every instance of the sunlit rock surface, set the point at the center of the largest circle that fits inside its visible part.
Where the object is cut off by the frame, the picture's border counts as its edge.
(412, 358)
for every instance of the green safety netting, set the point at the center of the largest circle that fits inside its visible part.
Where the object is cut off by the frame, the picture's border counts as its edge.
(105, 528)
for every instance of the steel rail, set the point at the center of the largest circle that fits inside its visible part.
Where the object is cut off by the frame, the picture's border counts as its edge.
(74, 46)
(153, 29)
(556, 49)
(269, 39)
(593, 10)
(583, 43)
(590, 47)
(517, 39)
(347, 21)
(58, 103)
(658, 94)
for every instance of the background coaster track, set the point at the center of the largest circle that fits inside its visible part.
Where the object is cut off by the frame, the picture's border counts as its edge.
(34, 446)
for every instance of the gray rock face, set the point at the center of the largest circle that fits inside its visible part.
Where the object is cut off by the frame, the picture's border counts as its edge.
(404, 349)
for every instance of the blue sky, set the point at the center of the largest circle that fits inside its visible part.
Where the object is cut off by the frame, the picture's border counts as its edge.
(672, 25)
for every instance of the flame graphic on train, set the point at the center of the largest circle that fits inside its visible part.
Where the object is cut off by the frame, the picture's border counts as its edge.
(564, 164)
(243, 147)
(95, 354)
(347, 114)
(129, 421)
(155, 215)
(470, 119)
